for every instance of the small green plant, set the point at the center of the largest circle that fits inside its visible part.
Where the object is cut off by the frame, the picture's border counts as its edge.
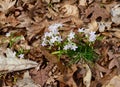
(13, 40)
(75, 47)
(20, 51)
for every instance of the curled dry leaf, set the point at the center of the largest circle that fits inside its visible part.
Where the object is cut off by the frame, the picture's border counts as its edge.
(117, 34)
(95, 11)
(8, 21)
(50, 57)
(116, 20)
(6, 5)
(67, 78)
(46, 1)
(70, 10)
(11, 63)
(55, 1)
(41, 76)
(102, 69)
(114, 62)
(114, 82)
(83, 2)
(88, 76)
(24, 20)
(26, 81)
(93, 26)
(52, 13)
(115, 12)
(104, 25)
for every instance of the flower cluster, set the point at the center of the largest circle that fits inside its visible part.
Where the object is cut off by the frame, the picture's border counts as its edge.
(52, 36)
(70, 45)
(91, 34)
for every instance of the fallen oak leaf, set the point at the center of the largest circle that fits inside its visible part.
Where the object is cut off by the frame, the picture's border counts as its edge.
(117, 33)
(70, 10)
(42, 75)
(93, 26)
(113, 63)
(67, 78)
(102, 69)
(50, 57)
(26, 81)
(83, 2)
(95, 11)
(114, 82)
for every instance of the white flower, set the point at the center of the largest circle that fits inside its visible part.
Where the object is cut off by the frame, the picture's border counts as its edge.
(21, 56)
(71, 35)
(81, 30)
(54, 26)
(74, 47)
(44, 43)
(66, 47)
(52, 36)
(59, 39)
(56, 39)
(48, 34)
(54, 31)
(53, 39)
(92, 36)
(8, 34)
(71, 46)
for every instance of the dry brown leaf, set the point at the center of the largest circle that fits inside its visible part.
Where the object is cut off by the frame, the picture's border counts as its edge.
(114, 82)
(67, 77)
(8, 21)
(35, 30)
(6, 5)
(93, 26)
(11, 63)
(95, 11)
(116, 20)
(52, 14)
(26, 81)
(83, 2)
(70, 10)
(115, 12)
(55, 1)
(102, 69)
(88, 76)
(46, 1)
(104, 25)
(117, 34)
(111, 55)
(103, 81)
(50, 57)
(42, 75)
(113, 63)
(24, 20)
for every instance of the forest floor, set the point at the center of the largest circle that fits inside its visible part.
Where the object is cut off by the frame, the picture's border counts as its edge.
(59, 43)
